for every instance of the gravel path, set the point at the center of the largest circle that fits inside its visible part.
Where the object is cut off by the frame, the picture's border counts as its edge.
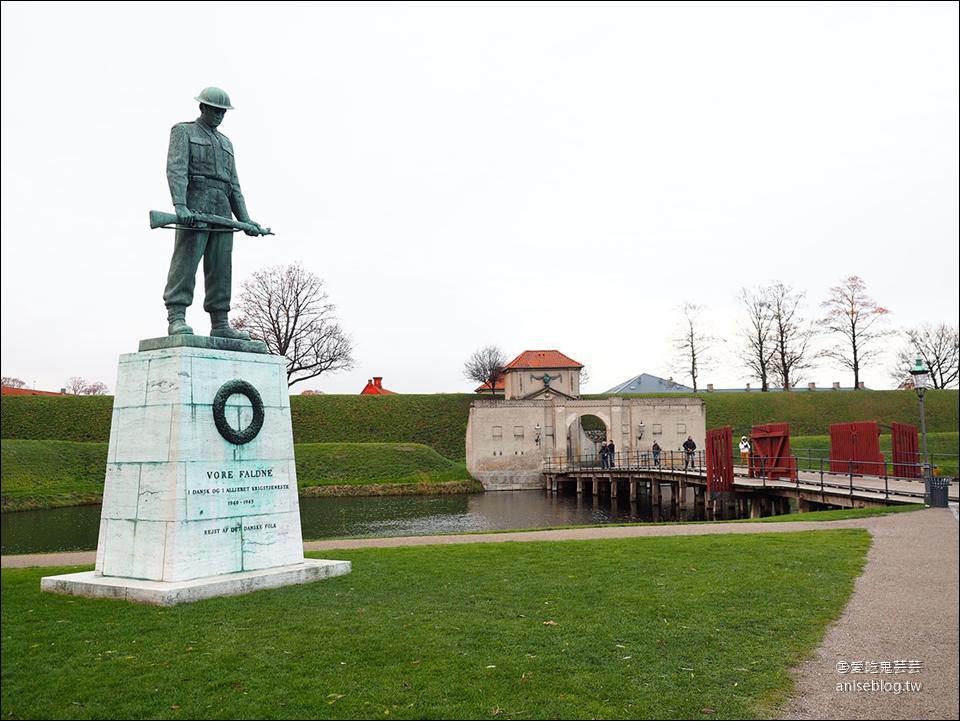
(904, 608)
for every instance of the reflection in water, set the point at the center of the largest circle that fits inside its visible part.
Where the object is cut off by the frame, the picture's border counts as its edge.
(323, 518)
(76, 529)
(57, 529)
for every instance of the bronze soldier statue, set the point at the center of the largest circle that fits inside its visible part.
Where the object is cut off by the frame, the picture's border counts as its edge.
(202, 176)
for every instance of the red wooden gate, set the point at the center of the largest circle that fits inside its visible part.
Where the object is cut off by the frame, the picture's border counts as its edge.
(771, 455)
(855, 448)
(720, 459)
(906, 450)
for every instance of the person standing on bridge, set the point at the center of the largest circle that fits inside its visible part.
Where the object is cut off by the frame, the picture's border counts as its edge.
(610, 452)
(604, 456)
(656, 454)
(744, 451)
(689, 446)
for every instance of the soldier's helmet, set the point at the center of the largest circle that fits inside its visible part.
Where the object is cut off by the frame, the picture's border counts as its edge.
(214, 97)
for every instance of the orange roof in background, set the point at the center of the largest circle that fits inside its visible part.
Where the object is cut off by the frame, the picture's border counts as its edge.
(498, 386)
(375, 388)
(542, 359)
(26, 392)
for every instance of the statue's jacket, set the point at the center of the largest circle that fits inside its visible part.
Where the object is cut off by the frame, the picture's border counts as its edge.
(201, 171)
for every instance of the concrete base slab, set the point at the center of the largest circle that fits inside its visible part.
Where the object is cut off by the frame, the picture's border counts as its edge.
(160, 593)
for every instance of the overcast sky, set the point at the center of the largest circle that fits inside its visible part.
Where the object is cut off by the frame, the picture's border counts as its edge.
(529, 175)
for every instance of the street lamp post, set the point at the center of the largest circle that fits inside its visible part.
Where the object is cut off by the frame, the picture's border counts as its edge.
(921, 378)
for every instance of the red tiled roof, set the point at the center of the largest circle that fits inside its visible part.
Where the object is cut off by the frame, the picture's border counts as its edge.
(375, 388)
(26, 392)
(497, 386)
(542, 359)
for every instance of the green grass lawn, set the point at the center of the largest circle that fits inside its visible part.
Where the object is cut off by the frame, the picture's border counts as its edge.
(645, 628)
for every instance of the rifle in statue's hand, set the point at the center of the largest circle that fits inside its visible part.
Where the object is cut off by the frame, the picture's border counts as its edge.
(201, 221)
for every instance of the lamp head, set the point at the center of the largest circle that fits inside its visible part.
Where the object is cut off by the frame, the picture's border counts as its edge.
(921, 376)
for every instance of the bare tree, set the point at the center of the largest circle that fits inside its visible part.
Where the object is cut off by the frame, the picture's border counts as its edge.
(792, 335)
(584, 377)
(938, 346)
(75, 385)
(97, 388)
(756, 351)
(857, 317)
(10, 382)
(287, 308)
(693, 343)
(485, 366)
(80, 386)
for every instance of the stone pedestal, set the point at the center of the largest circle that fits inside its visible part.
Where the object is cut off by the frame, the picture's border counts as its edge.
(200, 498)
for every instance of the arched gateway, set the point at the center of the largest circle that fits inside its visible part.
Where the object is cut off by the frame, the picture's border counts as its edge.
(508, 440)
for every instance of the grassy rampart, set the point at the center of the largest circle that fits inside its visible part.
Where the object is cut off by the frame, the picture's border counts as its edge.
(50, 474)
(55, 448)
(440, 420)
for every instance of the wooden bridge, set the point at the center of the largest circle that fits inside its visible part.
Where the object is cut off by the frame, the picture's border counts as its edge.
(764, 488)
(855, 475)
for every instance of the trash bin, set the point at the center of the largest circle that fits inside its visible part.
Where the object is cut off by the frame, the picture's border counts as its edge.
(939, 490)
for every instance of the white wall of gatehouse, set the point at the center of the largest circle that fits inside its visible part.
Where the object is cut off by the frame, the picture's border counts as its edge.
(507, 441)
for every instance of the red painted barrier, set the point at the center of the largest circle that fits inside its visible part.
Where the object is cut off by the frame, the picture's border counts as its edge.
(906, 450)
(771, 455)
(855, 448)
(720, 459)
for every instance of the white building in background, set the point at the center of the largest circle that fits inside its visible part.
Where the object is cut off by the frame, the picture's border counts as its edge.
(540, 416)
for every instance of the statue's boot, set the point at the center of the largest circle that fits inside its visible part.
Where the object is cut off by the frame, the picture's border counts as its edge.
(220, 328)
(175, 318)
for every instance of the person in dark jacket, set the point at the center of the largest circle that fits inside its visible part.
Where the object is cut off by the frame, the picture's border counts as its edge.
(610, 452)
(656, 454)
(689, 446)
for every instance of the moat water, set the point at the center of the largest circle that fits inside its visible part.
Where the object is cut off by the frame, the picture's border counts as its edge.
(76, 529)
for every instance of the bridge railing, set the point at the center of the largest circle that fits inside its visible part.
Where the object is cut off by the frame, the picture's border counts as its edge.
(624, 461)
(806, 459)
(851, 477)
(813, 472)
(941, 464)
